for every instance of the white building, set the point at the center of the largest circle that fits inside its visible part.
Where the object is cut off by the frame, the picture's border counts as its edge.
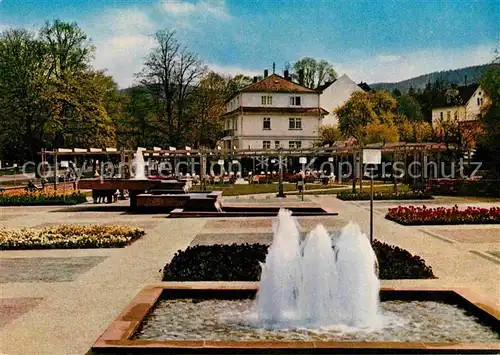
(273, 113)
(335, 93)
(463, 104)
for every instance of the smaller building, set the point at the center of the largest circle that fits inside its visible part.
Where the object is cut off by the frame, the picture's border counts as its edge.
(463, 103)
(335, 94)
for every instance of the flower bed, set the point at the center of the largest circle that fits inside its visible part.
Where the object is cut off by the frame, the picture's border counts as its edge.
(441, 215)
(362, 196)
(69, 237)
(41, 198)
(241, 262)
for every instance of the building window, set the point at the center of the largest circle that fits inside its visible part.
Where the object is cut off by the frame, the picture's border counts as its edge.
(235, 124)
(266, 123)
(266, 144)
(448, 115)
(478, 101)
(295, 101)
(276, 144)
(441, 115)
(481, 102)
(456, 115)
(266, 100)
(294, 144)
(294, 123)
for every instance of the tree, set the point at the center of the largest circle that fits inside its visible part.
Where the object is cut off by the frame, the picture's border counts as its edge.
(315, 73)
(24, 110)
(381, 133)
(328, 135)
(368, 117)
(236, 84)
(210, 101)
(171, 74)
(354, 115)
(69, 52)
(491, 115)
(414, 132)
(410, 107)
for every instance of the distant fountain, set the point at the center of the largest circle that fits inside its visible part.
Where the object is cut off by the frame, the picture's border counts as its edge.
(139, 165)
(317, 282)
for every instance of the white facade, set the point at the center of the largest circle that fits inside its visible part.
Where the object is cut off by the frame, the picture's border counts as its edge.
(255, 99)
(270, 120)
(249, 130)
(335, 96)
(469, 112)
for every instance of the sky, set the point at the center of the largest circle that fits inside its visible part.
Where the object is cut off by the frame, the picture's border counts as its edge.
(371, 41)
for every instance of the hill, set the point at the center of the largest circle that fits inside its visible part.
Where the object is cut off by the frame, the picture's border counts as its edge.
(457, 76)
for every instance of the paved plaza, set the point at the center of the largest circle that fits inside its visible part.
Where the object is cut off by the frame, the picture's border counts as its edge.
(60, 301)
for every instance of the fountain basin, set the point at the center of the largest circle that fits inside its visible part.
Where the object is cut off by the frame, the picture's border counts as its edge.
(122, 335)
(134, 186)
(246, 211)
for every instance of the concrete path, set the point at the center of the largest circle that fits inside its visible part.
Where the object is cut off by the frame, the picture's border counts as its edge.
(60, 301)
(67, 313)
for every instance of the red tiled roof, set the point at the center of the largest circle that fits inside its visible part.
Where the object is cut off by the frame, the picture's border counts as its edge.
(292, 110)
(276, 83)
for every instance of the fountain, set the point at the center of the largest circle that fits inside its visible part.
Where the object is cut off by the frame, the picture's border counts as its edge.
(139, 165)
(317, 282)
(318, 294)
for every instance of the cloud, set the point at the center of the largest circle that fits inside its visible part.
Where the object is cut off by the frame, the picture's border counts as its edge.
(122, 39)
(195, 10)
(388, 58)
(233, 70)
(402, 66)
(176, 7)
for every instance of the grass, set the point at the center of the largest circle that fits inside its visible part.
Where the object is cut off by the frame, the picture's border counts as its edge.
(250, 189)
(376, 188)
(12, 171)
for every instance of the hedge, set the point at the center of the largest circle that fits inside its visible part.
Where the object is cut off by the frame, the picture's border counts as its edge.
(362, 196)
(241, 262)
(41, 198)
(463, 187)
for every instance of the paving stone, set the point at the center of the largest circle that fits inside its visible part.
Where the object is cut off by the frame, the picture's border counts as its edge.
(476, 235)
(12, 308)
(46, 269)
(238, 238)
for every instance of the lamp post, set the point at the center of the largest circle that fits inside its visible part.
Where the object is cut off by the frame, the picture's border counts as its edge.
(372, 157)
(280, 181)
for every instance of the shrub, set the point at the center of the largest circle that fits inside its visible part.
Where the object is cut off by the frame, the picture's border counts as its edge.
(456, 187)
(41, 198)
(241, 262)
(410, 195)
(441, 215)
(69, 237)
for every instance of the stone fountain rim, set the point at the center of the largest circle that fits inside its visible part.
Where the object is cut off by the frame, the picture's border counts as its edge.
(119, 335)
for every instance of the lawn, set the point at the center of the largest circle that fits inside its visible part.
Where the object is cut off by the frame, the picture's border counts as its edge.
(376, 188)
(249, 189)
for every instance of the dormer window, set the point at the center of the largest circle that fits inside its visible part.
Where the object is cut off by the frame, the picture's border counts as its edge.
(295, 101)
(266, 100)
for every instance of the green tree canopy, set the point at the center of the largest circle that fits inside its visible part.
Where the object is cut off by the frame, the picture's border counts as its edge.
(315, 72)
(410, 107)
